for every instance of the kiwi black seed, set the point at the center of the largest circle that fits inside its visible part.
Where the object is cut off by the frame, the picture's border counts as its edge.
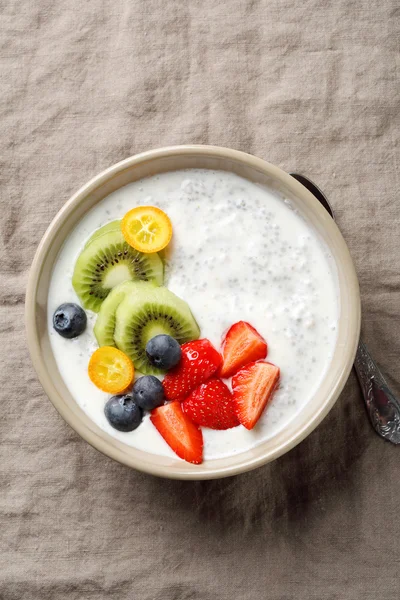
(148, 312)
(107, 261)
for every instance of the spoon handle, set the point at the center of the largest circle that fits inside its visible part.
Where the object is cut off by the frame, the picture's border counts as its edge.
(382, 406)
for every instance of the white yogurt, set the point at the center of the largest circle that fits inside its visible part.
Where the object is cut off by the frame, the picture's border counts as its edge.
(239, 252)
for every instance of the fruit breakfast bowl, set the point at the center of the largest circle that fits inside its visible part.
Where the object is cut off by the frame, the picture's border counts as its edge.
(193, 312)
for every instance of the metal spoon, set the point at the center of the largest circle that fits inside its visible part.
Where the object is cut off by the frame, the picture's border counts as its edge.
(383, 407)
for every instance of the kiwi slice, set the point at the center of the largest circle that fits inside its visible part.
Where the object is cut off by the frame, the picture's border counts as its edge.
(112, 226)
(105, 322)
(146, 313)
(108, 261)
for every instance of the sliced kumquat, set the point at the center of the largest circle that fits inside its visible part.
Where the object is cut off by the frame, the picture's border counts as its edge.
(147, 229)
(111, 370)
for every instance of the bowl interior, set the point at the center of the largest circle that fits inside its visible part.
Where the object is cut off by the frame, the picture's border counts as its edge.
(163, 160)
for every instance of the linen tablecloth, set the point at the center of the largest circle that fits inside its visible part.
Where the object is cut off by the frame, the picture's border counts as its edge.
(309, 85)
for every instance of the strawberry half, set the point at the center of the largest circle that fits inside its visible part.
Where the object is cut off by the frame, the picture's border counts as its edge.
(183, 436)
(253, 387)
(242, 345)
(211, 405)
(199, 362)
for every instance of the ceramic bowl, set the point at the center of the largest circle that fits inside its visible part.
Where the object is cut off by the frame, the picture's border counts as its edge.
(150, 163)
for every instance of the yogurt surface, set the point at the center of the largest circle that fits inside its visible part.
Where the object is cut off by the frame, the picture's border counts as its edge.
(238, 252)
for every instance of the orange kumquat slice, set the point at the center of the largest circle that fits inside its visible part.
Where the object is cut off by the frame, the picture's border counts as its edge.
(111, 370)
(147, 229)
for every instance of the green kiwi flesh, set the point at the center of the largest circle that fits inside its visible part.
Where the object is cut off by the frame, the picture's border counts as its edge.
(105, 322)
(147, 312)
(112, 226)
(107, 261)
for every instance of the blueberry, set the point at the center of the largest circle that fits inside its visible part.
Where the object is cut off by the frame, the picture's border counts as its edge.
(148, 392)
(163, 351)
(123, 413)
(69, 320)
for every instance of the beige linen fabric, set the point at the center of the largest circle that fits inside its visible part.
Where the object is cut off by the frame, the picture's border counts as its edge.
(308, 85)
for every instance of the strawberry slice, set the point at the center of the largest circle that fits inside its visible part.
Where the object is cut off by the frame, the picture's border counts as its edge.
(211, 405)
(242, 345)
(253, 387)
(183, 436)
(199, 362)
